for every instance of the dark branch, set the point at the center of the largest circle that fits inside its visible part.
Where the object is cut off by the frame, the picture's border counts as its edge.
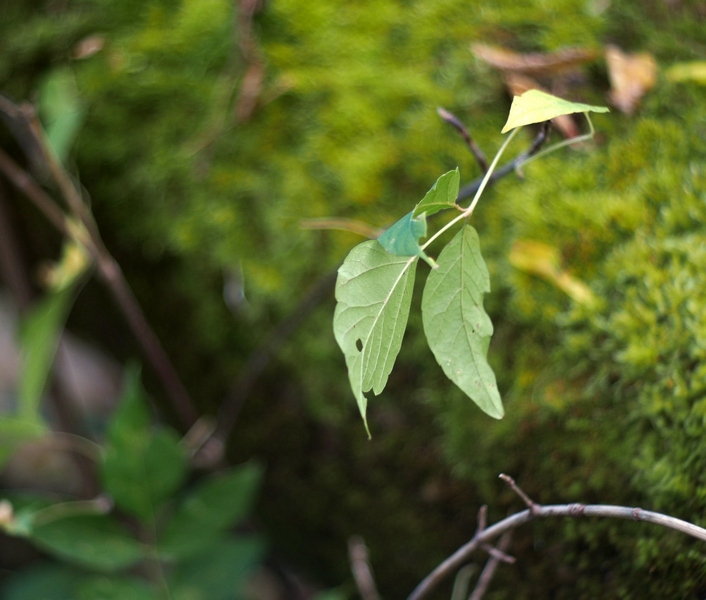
(453, 120)
(471, 188)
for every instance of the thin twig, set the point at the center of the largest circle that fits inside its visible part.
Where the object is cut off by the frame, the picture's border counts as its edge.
(461, 555)
(533, 506)
(111, 274)
(453, 120)
(488, 572)
(360, 566)
(482, 519)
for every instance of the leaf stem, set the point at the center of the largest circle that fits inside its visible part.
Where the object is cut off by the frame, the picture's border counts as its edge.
(570, 142)
(468, 211)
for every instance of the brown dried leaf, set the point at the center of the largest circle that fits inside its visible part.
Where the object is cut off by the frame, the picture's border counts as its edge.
(631, 76)
(535, 63)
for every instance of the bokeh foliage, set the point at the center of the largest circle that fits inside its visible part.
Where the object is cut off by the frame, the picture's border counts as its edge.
(604, 403)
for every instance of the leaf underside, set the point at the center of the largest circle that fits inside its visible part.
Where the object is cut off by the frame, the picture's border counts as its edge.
(456, 325)
(535, 106)
(373, 294)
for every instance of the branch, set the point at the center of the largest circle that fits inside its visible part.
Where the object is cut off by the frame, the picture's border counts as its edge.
(108, 268)
(458, 558)
(488, 572)
(470, 189)
(454, 121)
(362, 573)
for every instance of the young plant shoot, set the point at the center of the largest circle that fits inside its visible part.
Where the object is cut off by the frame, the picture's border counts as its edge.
(375, 282)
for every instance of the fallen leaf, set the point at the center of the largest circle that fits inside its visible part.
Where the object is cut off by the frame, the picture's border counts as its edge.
(631, 76)
(518, 84)
(688, 71)
(542, 259)
(535, 63)
(88, 46)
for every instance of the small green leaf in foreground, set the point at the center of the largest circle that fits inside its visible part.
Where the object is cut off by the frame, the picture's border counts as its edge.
(373, 294)
(402, 238)
(456, 325)
(441, 196)
(536, 107)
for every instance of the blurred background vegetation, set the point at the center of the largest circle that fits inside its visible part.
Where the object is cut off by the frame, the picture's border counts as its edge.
(210, 129)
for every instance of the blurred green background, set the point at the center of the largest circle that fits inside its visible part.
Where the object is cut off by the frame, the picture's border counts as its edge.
(210, 129)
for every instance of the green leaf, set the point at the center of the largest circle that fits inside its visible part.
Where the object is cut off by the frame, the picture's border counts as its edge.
(402, 238)
(441, 196)
(217, 503)
(456, 325)
(61, 111)
(220, 573)
(39, 339)
(94, 541)
(45, 581)
(141, 467)
(113, 588)
(374, 292)
(536, 107)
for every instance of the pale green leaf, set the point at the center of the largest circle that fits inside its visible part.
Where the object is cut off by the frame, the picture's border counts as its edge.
(456, 325)
(441, 196)
(374, 292)
(39, 339)
(536, 107)
(61, 110)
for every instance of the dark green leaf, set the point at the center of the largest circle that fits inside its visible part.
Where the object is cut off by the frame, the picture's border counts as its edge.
(220, 573)
(441, 196)
(142, 476)
(456, 325)
(142, 467)
(40, 582)
(218, 502)
(93, 541)
(113, 588)
(374, 292)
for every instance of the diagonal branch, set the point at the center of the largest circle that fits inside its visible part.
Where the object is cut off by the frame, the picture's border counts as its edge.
(460, 557)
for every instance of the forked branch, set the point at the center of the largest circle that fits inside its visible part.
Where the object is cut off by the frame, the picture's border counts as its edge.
(538, 511)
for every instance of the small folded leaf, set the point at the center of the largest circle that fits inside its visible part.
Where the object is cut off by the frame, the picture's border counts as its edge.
(456, 325)
(402, 239)
(536, 107)
(373, 294)
(441, 196)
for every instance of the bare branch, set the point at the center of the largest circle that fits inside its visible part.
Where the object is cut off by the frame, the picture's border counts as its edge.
(488, 572)
(533, 506)
(362, 573)
(461, 555)
(453, 120)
